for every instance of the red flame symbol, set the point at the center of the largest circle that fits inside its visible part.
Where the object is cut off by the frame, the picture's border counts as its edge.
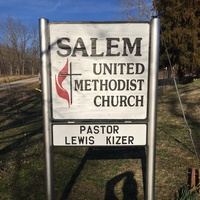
(59, 88)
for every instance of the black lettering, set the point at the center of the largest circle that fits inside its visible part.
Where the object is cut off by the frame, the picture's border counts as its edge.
(82, 129)
(124, 140)
(118, 140)
(139, 99)
(133, 85)
(95, 81)
(103, 85)
(130, 139)
(79, 46)
(96, 129)
(94, 47)
(81, 140)
(112, 85)
(105, 101)
(91, 140)
(129, 100)
(130, 68)
(61, 45)
(110, 46)
(95, 101)
(73, 140)
(95, 69)
(66, 142)
(103, 129)
(78, 85)
(123, 100)
(122, 67)
(107, 68)
(121, 84)
(115, 129)
(89, 129)
(140, 83)
(114, 102)
(109, 129)
(137, 44)
(87, 85)
(108, 140)
(139, 68)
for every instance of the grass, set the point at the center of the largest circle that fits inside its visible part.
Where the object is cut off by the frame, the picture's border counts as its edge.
(95, 173)
(187, 194)
(7, 79)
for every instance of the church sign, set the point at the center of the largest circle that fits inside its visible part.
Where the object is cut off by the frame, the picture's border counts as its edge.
(99, 71)
(99, 88)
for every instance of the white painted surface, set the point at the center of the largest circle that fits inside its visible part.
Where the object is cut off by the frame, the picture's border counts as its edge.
(99, 135)
(92, 101)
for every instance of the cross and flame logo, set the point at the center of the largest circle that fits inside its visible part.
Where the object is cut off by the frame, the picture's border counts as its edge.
(62, 92)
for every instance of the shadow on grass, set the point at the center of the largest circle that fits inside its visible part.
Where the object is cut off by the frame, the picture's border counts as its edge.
(21, 113)
(130, 190)
(184, 113)
(17, 143)
(178, 141)
(21, 119)
(21, 145)
(20, 116)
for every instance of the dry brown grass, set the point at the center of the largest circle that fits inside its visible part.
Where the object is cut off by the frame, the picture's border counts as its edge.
(7, 79)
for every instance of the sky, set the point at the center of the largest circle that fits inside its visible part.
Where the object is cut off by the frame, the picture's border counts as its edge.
(30, 11)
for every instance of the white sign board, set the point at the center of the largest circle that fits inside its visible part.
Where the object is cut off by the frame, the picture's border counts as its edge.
(99, 135)
(99, 70)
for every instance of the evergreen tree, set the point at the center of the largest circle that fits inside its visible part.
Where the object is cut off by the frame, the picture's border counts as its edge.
(180, 34)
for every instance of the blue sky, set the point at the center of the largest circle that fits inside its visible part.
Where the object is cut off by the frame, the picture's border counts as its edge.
(30, 11)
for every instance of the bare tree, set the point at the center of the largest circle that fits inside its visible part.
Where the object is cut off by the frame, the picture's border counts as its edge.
(16, 37)
(137, 10)
(33, 53)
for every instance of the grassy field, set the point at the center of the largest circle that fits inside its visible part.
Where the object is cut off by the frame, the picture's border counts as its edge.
(95, 173)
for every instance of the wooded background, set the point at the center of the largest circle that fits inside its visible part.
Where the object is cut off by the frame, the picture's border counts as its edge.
(180, 31)
(19, 48)
(180, 37)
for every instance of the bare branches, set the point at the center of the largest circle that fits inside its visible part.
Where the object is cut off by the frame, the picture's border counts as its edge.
(137, 10)
(17, 38)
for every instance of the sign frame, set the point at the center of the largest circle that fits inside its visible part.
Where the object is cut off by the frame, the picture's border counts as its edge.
(72, 113)
(152, 107)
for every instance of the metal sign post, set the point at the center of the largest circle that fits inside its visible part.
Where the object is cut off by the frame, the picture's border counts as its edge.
(151, 141)
(45, 73)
